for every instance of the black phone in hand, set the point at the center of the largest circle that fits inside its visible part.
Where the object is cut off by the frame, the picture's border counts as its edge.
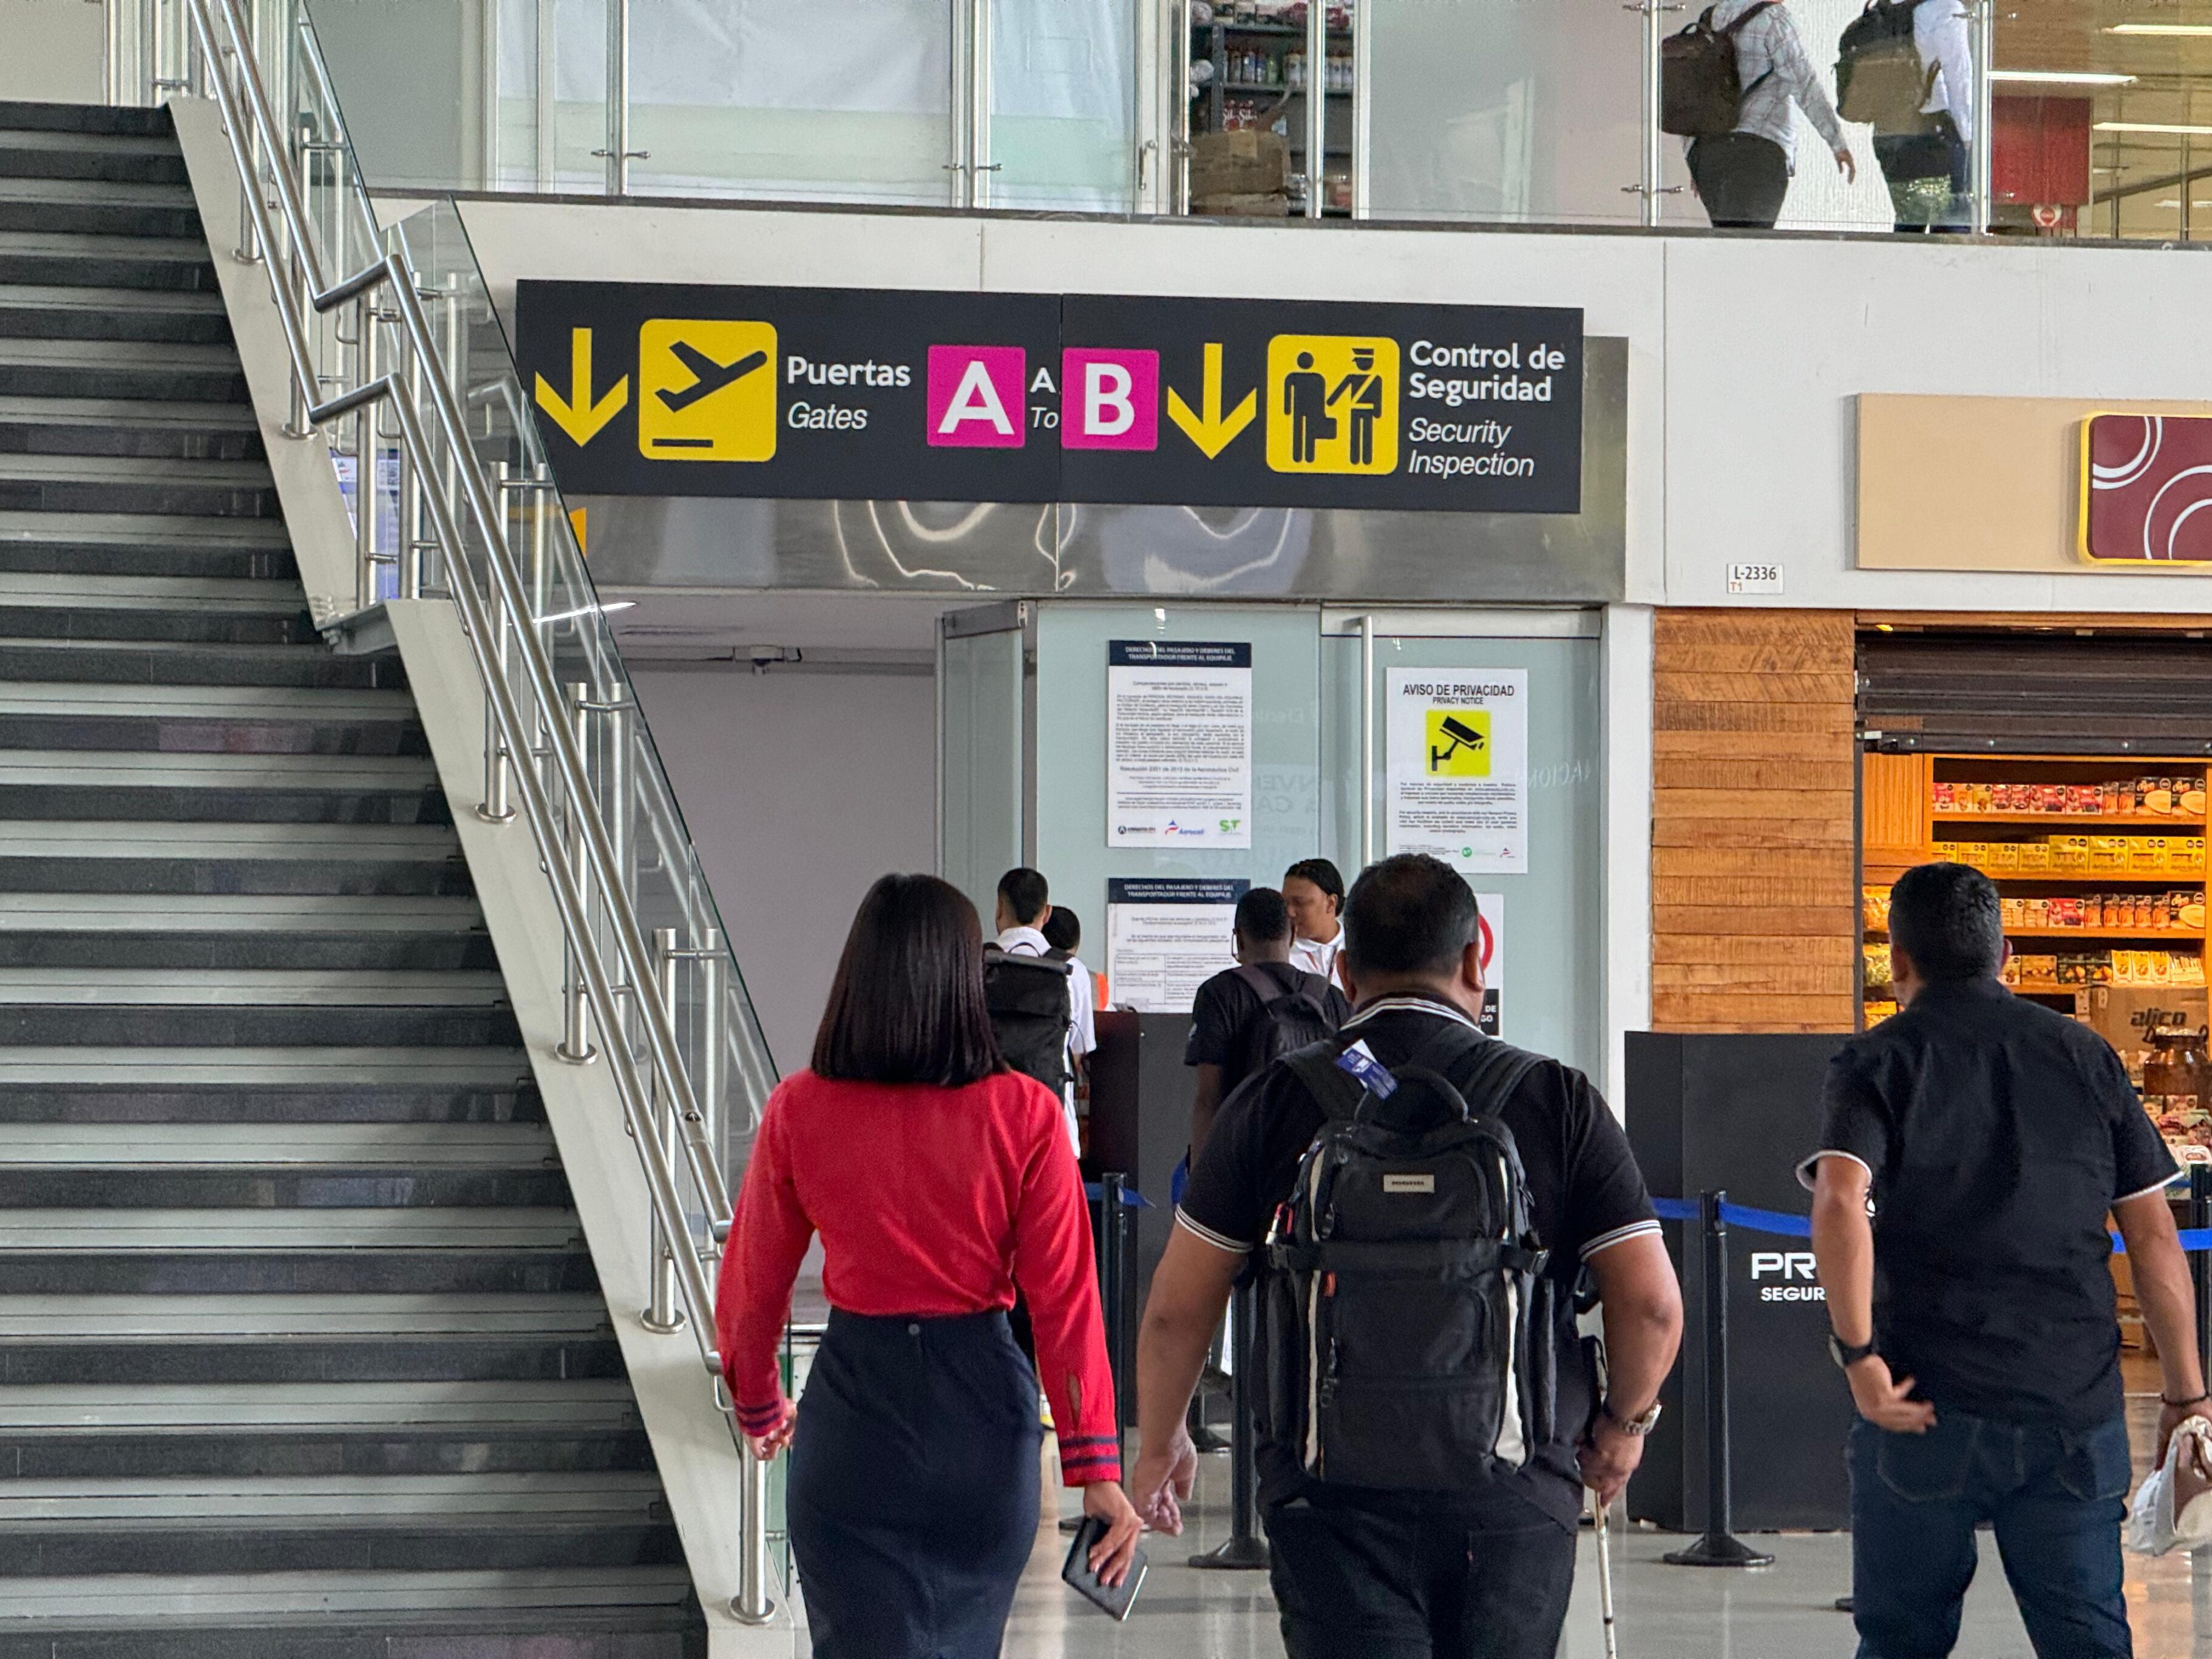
(1076, 1574)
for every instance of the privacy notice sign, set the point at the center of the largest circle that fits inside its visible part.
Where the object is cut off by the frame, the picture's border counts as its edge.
(1458, 758)
(843, 393)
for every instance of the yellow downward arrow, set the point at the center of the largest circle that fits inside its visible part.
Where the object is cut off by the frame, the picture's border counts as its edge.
(577, 414)
(1212, 431)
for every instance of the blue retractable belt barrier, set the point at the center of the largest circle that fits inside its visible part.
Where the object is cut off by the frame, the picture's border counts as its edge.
(1798, 1226)
(1130, 1195)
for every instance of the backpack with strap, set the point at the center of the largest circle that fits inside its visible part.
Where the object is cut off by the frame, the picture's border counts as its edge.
(1407, 1322)
(1287, 1019)
(1701, 89)
(1879, 79)
(1027, 999)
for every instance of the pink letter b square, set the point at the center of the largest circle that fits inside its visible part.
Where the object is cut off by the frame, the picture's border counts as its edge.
(1109, 399)
(976, 397)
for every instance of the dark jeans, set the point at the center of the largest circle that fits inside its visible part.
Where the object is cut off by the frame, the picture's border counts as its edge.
(1389, 1586)
(1741, 179)
(2056, 1498)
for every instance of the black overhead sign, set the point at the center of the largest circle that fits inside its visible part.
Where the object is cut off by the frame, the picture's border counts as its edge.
(647, 389)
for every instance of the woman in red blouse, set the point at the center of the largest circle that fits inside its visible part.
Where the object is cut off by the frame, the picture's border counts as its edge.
(939, 1180)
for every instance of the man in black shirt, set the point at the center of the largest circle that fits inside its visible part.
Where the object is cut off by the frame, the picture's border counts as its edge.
(1974, 1314)
(1226, 1017)
(1483, 1570)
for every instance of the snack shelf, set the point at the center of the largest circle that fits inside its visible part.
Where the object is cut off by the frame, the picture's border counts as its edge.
(2080, 820)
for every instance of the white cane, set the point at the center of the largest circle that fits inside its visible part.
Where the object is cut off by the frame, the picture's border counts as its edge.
(1604, 1577)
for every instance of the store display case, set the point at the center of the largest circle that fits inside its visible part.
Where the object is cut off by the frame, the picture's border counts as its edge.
(2100, 863)
(1251, 71)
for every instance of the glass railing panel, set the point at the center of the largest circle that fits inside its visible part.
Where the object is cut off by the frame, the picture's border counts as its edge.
(1498, 110)
(1063, 104)
(842, 100)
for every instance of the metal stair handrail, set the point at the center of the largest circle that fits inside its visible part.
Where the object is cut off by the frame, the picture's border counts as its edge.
(618, 970)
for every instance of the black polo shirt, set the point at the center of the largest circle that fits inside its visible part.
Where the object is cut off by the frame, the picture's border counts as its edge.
(1584, 1191)
(1224, 1008)
(1998, 1135)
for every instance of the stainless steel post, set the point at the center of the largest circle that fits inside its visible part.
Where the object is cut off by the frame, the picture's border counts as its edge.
(497, 807)
(753, 1605)
(617, 152)
(1317, 105)
(714, 1040)
(1650, 204)
(364, 461)
(1986, 39)
(661, 1314)
(1366, 741)
(575, 1039)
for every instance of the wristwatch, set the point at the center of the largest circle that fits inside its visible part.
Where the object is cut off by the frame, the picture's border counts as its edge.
(1846, 1356)
(1643, 1423)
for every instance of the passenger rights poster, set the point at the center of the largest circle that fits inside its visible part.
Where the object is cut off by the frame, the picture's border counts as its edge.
(1165, 937)
(1458, 764)
(1178, 744)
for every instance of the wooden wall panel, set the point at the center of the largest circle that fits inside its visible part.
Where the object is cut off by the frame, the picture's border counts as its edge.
(1754, 839)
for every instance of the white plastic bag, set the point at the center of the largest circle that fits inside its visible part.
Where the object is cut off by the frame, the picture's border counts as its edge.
(2172, 1509)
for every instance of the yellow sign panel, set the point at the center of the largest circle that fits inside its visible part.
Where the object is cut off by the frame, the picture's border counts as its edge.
(706, 389)
(1332, 403)
(1459, 743)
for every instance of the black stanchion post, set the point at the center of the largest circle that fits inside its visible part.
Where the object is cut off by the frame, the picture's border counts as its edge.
(1113, 1267)
(1243, 1549)
(2200, 1261)
(1719, 1547)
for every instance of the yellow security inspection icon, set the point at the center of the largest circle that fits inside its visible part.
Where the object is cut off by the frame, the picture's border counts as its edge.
(1332, 403)
(706, 389)
(1459, 743)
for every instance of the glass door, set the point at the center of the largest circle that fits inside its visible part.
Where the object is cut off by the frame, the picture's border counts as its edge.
(981, 702)
(1478, 737)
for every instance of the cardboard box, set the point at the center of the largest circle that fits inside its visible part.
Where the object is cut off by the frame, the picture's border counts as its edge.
(1241, 207)
(1248, 162)
(2121, 1013)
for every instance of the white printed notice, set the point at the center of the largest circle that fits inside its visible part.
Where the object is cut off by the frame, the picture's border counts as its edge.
(1458, 757)
(1165, 937)
(1178, 744)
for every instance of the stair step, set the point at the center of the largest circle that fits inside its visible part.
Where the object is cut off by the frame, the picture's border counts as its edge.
(507, 1100)
(163, 1026)
(282, 788)
(105, 207)
(71, 260)
(262, 1146)
(208, 718)
(199, 988)
(105, 483)
(311, 1359)
(602, 1612)
(90, 123)
(150, 427)
(222, 1232)
(119, 369)
(29, 155)
(154, 663)
(396, 1268)
(141, 1431)
(33, 311)
(160, 1317)
(148, 859)
(334, 1068)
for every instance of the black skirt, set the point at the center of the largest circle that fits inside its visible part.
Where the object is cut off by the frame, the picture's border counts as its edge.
(913, 1501)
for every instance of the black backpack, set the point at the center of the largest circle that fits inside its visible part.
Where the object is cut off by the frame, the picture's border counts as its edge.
(1288, 1018)
(1879, 79)
(1701, 90)
(1027, 999)
(1406, 1324)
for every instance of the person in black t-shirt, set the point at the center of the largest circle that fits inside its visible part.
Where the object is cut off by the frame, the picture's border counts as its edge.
(1974, 1314)
(1484, 1570)
(1224, 1018)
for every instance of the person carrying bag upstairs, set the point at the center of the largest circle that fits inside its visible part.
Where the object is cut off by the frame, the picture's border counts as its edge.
(1419, 1201)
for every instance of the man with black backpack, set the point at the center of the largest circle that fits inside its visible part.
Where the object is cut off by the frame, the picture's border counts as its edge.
(1727, 83)
(1039, 1011)
(1246, 1017)
(1424, 1200)
(1906, 67)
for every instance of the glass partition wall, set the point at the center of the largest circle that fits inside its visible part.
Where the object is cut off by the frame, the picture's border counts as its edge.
(2054, 118)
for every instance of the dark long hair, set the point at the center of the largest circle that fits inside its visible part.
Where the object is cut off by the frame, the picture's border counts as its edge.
(907, 1006)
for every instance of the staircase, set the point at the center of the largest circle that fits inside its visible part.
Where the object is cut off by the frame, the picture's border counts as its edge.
(301, 1354)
